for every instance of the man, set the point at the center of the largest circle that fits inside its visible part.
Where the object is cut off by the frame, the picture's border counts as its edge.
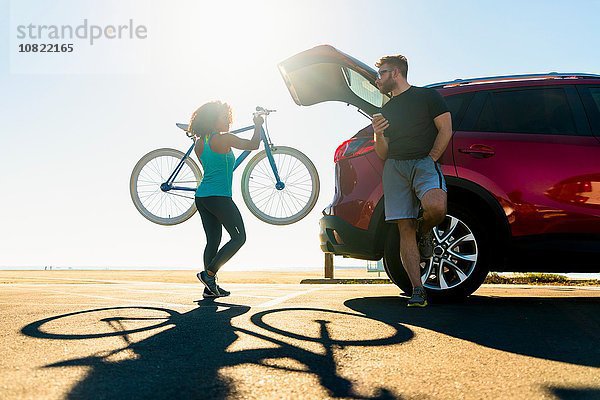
(411, 134)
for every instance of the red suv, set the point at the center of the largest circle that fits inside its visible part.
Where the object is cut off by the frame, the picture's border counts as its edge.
(522, 170)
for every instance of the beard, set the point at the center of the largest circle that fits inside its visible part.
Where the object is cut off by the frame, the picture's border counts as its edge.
(386, 87)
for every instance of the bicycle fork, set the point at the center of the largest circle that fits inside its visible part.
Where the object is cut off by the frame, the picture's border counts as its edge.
(279, 185)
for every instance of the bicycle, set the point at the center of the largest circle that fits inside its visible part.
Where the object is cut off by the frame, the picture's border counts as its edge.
(280, 185)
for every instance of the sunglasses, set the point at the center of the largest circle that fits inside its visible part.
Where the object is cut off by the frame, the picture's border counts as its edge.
(383, 71)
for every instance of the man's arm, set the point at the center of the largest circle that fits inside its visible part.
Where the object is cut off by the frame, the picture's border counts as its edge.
(381, 142)
(443, 123)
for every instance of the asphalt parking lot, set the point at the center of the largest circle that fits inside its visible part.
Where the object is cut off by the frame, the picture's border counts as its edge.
(132, 339)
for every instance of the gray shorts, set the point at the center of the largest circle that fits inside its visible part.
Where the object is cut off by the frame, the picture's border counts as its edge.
(405, 182)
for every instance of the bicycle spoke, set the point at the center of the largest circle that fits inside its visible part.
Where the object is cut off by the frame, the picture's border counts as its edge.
(293, 203)
(260, 201)
(300, 202)
(258, 194)
(268, 173)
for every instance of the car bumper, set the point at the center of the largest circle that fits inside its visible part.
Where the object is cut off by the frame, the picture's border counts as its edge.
(343, 239)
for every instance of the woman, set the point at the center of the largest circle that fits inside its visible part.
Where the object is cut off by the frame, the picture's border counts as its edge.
(210, 124)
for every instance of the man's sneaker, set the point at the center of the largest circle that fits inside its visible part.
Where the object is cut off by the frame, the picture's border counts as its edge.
(424, 241)
(418, 298)
(209, 281)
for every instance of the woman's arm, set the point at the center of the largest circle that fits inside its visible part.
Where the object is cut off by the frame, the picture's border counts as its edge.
(224, 142)
(199, 148)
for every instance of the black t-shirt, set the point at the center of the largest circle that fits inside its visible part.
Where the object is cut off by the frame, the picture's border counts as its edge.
(412, 131)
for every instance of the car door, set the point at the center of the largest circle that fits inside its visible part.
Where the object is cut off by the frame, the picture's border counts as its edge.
(324, 73)
(532, 148)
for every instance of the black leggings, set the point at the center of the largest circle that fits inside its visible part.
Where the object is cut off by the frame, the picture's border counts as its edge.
(217, 211)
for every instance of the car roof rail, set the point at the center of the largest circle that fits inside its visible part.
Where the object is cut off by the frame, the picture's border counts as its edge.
(490, 79)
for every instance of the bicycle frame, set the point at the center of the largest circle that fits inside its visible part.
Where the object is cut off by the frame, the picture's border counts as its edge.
(168, 185)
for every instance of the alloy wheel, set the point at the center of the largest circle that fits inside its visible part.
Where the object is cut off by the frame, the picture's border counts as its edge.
(454, 257)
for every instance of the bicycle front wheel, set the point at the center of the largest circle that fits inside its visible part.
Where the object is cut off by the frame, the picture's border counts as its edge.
(164, 207)
(284, 205)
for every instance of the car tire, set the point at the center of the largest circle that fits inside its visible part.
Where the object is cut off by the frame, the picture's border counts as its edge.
(465, 263)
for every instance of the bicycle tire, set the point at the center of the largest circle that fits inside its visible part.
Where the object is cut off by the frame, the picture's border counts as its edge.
(400, 333)
(295, 201)
(35, 329)
(153, 169)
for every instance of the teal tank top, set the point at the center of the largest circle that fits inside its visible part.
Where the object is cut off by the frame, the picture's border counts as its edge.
(218, 172)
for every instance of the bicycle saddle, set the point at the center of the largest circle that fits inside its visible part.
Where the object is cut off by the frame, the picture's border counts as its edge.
(182, 126)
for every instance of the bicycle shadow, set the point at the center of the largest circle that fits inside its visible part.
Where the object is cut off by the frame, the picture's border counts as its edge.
(180, 361)
(185, 360)
(557, 329)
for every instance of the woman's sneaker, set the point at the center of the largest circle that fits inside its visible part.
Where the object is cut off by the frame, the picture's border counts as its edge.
(210, 282)
(223, 292)
(418, 298)
(207, 294)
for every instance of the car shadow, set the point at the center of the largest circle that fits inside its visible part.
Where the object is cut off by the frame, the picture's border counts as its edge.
(184, 358)
(557, 329)
(575, 394)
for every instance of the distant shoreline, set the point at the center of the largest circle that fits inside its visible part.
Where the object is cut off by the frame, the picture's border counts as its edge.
(238, 268)
(571, 275)
(262, 275)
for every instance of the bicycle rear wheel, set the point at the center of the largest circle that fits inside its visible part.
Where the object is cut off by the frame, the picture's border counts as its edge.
(164, 207)
(289, 204)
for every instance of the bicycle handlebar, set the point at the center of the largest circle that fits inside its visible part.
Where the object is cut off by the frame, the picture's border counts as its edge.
(262, 111)
(259, 111)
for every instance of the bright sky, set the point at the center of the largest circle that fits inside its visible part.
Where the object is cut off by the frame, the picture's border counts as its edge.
(72, 126)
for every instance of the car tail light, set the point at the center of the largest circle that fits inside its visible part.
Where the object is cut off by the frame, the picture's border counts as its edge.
(353, 148)
(585, 186)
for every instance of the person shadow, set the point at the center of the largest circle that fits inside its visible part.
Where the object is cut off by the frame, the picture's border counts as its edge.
(564, 329)
(184, 358)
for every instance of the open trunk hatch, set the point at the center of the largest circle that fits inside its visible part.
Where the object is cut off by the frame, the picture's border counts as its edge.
(324, 73)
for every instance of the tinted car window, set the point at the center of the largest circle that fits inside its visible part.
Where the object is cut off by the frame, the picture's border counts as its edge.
(595, 92)
(487, 121)
(457, 104)
(590, 96)
(543, 111)
(594, 114)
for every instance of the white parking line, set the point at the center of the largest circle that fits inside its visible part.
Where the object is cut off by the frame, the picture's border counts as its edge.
(239, 287)
(273, 300)
(281, 299)
(183, 293)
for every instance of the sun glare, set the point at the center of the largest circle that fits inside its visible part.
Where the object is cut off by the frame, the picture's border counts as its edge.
(260, 31)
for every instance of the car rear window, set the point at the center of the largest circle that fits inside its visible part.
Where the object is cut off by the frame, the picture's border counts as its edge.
(540, 110)
(363, 88)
